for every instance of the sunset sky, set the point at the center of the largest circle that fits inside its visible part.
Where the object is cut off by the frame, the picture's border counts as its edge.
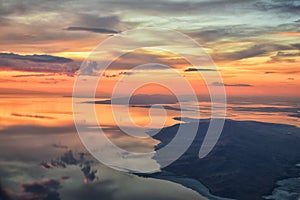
(254, 44)
(56, 137)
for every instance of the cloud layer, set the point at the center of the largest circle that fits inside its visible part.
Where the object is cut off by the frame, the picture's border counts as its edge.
(38, 63)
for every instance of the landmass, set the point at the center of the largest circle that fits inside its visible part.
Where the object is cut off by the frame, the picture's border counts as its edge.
(247, 161)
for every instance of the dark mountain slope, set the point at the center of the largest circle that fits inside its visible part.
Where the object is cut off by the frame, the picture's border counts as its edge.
(245, 163)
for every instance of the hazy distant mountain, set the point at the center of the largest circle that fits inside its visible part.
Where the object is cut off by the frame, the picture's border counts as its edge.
(140, 99)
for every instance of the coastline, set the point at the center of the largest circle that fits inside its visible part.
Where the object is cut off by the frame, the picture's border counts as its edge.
(187, 182)
(244, 152)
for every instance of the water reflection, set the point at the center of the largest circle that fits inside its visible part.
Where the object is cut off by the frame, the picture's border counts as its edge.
(38, 130)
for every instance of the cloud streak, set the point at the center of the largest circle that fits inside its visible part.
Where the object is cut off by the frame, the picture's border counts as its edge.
(94, 30)
(31, 75)
(231, 85)
(191, 69)
(252, 51)
(38, 63)
(36, 58)
(38, 190)
(31, 116)
(283, 56)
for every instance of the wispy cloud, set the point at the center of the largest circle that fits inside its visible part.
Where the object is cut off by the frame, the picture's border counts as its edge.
(38, 63)
(231, 85)
(283, 56)
(109, 22)
(107, 75)
(143, 59)
(31, 75)
(31, 116)
(42, 190)
(297, 46)
(36, 58)
(252, 51)
(192, 69)
(95, 30)
(287, 6)
(154, 60)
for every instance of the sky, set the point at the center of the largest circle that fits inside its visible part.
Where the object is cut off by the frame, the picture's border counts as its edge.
(254, 44)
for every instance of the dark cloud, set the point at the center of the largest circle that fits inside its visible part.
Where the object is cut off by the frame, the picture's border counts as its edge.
(297, 46)
(211, 35)
(139, 57)
(285, 27)
(269, 72)
(31, 75)
(53, 164)
(246, 32)
(13, 8)
(95, 30)
(146, 60)
(126, 73)
(253, 51)
(43, 22)
(106, 75)
(40, 187)
(216, 33)
(38, 63)
(283, 6)
(88, 172)
(231, 85)
(282, 71)
(31, 116)
(48, 82)
(3, 194)
(28, 33)
(238, 85)
(297, 115)
(109, 16)
(42, 190)
(170, 7)
(8, 8)
(282, 56)
(107, 23)
(68, 158)
(191, 69)
(36, 58)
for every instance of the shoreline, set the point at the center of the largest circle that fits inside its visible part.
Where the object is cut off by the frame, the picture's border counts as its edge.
(189, 183)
